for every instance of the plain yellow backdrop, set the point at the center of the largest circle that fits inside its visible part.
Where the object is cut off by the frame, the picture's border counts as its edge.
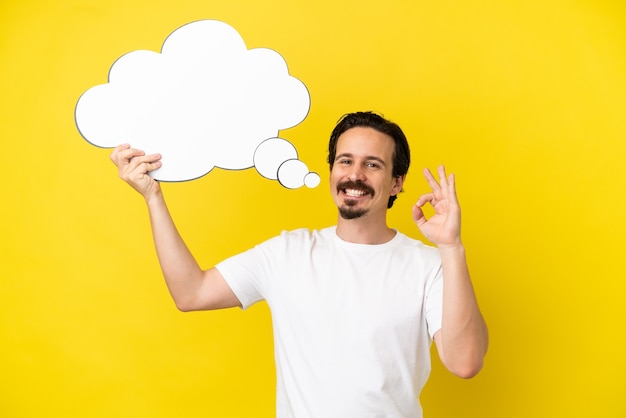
(524, 100)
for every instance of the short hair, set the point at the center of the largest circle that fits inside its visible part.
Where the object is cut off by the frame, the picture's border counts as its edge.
(401, 154)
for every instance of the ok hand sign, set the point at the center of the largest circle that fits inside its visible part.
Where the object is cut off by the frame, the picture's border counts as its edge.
(444, 227)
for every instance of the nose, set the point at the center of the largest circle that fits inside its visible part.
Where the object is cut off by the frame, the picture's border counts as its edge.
(356, 172)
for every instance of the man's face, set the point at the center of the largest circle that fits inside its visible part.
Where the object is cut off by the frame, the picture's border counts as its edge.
(361, 177)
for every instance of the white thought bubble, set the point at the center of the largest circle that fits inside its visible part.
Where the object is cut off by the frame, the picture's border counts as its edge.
(205, 101)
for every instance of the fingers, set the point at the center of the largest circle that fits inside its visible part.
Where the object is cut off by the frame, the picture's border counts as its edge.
(439, 187)
(122, 154)
(136, 172)
(445, 186)
(451, 187)
(142, 161)
(443, 191)
(133, 165)
(418, 215)
(425, 198)
(441, 170)
(448, 184)
(116, 156)
(432, 182)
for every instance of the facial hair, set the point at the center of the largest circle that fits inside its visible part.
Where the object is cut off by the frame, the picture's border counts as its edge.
(347, 210)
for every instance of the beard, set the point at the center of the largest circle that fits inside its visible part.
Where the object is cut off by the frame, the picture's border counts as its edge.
(348, 211)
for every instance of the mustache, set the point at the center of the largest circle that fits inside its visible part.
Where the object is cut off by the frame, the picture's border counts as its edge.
(356, 185)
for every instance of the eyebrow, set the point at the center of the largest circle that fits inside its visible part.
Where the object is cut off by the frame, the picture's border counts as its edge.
(367, 158)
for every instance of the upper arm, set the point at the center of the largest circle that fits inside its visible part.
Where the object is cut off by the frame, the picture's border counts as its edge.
(213, 293)
(439, 345)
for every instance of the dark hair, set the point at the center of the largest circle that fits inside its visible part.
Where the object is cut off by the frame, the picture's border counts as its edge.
(401, 154)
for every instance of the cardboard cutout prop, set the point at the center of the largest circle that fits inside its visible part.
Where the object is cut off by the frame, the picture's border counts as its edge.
(205, 101)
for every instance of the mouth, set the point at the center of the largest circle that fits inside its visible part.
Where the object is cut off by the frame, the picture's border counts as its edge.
(354, 190)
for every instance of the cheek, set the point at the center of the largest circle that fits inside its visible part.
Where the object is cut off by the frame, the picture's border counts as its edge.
(335, 176)
(333, 180)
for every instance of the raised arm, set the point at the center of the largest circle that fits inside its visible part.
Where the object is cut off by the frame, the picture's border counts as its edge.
(191, 287)
(462, 340)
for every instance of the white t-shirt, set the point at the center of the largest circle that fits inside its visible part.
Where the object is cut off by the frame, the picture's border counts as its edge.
(353, 323)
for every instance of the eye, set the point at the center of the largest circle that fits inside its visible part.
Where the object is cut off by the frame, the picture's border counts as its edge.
(372, 164)
(344, 161)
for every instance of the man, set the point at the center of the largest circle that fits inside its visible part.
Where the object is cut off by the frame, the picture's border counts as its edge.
(354, 307)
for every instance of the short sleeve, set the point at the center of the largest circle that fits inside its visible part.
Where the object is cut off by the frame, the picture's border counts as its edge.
(433, 304)
(242, 273)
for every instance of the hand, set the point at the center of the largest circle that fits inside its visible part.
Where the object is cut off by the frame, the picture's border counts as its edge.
(133, 167)
(444, 227)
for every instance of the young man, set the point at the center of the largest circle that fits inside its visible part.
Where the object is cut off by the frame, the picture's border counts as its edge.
(355, 307)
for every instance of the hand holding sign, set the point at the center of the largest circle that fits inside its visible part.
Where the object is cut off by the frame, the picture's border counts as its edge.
(205, 101)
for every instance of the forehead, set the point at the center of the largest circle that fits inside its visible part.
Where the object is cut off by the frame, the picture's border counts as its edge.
(365, 141)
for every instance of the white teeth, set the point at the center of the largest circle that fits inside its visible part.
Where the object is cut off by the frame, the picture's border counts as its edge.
(354, 193)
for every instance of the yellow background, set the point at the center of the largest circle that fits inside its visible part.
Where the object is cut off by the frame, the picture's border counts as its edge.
(524, 100)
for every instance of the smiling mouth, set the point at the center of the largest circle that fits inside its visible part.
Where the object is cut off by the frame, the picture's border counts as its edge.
(355, 189)
(354, 192)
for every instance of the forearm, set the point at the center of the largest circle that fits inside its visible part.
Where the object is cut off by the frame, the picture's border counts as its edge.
(182, 273)
(464, 336)
(190, 286)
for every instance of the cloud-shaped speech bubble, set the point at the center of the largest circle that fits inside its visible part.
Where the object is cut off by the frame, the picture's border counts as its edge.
(205, 101)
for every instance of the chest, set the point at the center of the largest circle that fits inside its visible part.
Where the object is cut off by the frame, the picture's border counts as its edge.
(374, 293)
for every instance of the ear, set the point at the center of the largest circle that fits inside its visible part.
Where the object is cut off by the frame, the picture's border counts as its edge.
(397, 186)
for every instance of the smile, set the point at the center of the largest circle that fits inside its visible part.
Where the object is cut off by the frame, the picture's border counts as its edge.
(355, 189)
(354, 192)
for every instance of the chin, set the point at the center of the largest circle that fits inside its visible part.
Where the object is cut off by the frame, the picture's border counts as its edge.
(351, 213)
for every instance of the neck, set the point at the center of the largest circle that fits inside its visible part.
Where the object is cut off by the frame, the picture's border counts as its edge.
(364, 231)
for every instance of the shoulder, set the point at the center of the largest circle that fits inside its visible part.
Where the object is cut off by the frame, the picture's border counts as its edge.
(300, 236)
(405, 240)
(406, 243)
